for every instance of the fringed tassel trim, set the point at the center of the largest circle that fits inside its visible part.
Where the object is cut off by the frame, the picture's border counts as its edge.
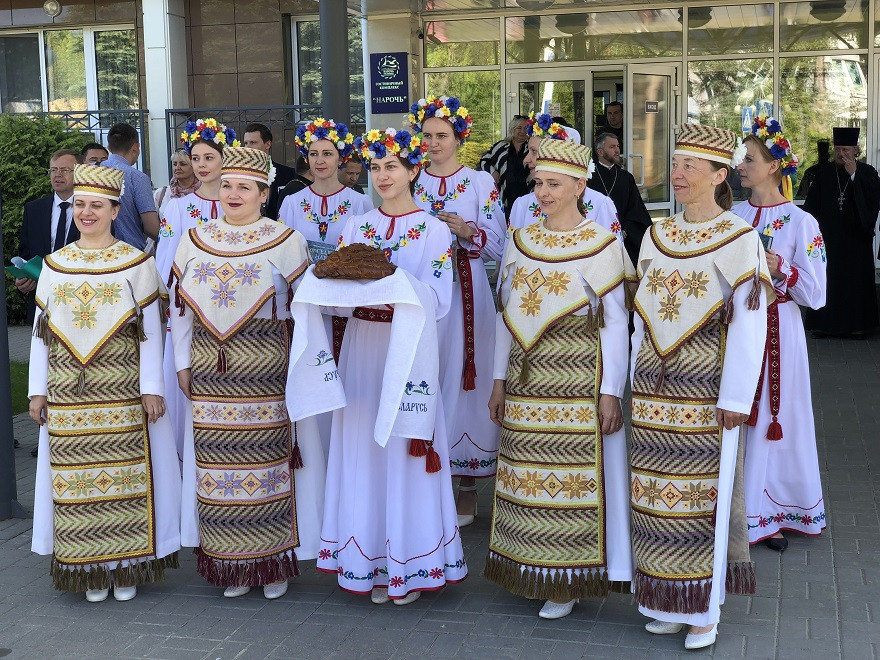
(432, 459)
(41, 329)
(289, 296)
(296, 459)
(774, 431)
(741, 578)
(246, 573)
(549, 584)
(600, 315)
(674, 596)
(753, 302)
(418, 448)
(66, 577)
(221, 360)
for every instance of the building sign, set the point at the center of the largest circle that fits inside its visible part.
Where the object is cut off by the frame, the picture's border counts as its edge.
(389, 93)
(652, 106)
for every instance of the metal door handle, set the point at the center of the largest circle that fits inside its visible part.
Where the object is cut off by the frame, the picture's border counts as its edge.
(641, 158)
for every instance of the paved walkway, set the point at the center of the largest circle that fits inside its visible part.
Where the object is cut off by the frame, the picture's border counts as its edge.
(820, 599)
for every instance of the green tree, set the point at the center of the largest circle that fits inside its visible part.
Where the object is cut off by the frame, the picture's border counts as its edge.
(26, 143)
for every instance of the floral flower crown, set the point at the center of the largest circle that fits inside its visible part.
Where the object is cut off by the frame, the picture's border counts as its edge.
(442, 107)
(325, 129)
(207, 130)
(543, 126)
(403, 144)
(769, 130)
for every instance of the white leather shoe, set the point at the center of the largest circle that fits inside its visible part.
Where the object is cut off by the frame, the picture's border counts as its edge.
(658, 627)
(411, 597)
(124, 593)
(553, 610)
(379, 595)
(465, 519)
(702, 640)
(97, 595)
(235, 592)
(275, 590)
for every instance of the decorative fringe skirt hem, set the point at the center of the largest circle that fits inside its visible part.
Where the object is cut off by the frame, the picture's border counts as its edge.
(246, 572)
(741, 578)
(69, 577)
(674, 596)
(550, 583)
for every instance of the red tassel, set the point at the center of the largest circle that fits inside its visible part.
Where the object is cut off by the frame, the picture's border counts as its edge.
(753, 415)
(432, 460)
(274, 307)
(470, 376)
(774, 432)
(221, 361)
(754, 299)
(418, 448)
(170, 280)
(296, 459)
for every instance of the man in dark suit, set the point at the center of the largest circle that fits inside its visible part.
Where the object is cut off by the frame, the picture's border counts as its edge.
(258, 136)
(47, 224)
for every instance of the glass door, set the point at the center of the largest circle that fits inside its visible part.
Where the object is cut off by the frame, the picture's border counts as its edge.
(650, 114)
(561, 92)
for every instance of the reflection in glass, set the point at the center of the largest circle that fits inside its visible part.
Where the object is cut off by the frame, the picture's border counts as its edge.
(117, 70)
(730, 29)
(823, 25)
(462, 43)
(719, 90)
(649, 154)
(65, 70)
(564, 98)
(595, 36)
(819, 93)
(20, 89)
(480, 93)
(308, 40)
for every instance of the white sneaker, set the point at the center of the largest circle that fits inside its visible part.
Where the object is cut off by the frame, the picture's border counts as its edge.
(379, 595)
(411, 597)
(235, 592)
(553, 610)
(124, 593)
(97, 595)
(701, 640)
(658, 627)
(275, 590)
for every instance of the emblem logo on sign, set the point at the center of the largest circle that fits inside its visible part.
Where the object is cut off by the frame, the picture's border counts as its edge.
(388, 67)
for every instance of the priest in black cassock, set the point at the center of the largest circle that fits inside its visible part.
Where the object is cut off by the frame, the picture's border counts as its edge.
(845, 199)
(612, 180)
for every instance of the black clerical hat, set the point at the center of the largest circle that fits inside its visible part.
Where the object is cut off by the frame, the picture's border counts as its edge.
(846, 136)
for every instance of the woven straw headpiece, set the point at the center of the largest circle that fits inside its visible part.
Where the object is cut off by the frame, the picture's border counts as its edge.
(107, 182)
(247, 163)
(564, 157)
(709, 143)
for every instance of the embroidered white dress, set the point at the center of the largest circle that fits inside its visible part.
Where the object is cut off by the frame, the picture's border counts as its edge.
(388, 522)
(600, 209)
(320, 218)
(181, 215)
(783, 489)
(473, 438)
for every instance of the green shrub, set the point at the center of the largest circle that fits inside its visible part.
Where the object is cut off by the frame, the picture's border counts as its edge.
(26, 142)
(469, 153)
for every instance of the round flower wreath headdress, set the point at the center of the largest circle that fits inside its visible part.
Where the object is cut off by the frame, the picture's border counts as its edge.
(442, 107)
(769, 130)
(400, 143)
(325, 129)
(207, 130)
(543, 126)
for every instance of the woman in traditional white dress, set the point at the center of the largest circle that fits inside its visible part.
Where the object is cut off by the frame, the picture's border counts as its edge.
(319, 212)
(107, 491)
(390, 525)
(252, 481)
(203, 140)
(700, 323)
(467, 201)
(560, 524)
(527, 210)
(783, 489)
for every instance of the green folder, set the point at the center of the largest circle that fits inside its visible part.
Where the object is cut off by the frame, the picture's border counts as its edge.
(21, 269)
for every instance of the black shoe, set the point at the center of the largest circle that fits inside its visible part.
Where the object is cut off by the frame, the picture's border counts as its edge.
(776, 543)
(34, 451)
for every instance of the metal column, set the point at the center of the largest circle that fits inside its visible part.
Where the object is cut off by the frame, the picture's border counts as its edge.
(334, 60)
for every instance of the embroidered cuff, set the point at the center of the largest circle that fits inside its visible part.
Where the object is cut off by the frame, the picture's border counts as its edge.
(793, 277)
(477, 240)
(780, 284)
